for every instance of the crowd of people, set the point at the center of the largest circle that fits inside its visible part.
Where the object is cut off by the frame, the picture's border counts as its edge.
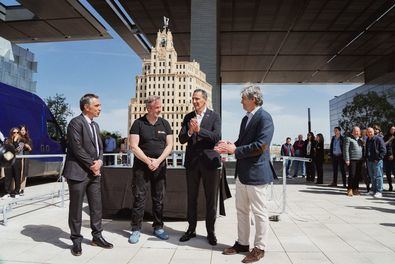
(15, 175)
(365, 154)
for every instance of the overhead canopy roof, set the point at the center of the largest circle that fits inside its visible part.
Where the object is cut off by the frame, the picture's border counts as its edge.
(272, 41)
(44, 20)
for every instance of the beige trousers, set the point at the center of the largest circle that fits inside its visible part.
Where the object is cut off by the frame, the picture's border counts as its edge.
(252, 198)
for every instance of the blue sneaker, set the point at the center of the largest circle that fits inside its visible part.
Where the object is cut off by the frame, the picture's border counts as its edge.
(161, 234)
(134, 237)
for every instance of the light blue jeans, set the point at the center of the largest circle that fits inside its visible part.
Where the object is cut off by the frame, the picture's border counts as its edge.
(375, 170)
(296, 164)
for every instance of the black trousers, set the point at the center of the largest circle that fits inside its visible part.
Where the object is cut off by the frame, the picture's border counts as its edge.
(77, 190)
(13, 173)
(354, 174)
(210, 184)
(310, 171)
(320, 171)
(157, 179)
(338, 161)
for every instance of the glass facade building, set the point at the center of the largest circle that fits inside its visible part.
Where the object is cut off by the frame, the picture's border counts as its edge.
(380, 86)
(17, 66)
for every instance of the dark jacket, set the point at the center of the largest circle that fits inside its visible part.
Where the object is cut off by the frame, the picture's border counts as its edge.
(319, 152)
(81, 150)
(284, 150)
(201, 146)
(312, 150)
(332, 141)
(298, 147)
(375, 149)
(390, 146)
(253, 165)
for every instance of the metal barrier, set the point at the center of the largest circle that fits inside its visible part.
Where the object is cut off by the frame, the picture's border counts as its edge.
(9, 203)
(285, 159)
(174, 160)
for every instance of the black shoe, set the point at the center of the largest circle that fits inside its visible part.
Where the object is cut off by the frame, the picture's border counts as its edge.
(187, 236)
(212, 239)
(390, 189)
(76, 249)
(101, 242)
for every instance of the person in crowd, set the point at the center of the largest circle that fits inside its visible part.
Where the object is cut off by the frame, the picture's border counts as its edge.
(151, 141)
(375, 153)
(319, 158)
(2, 139)
(298, 148)
(309, 149)
(377, 130)
(353, 158)
(201, 129)
(27, 149)
(253, 174)
(123, 149)
(109, 147)
(364, 170)
(84, 160)
(287, 150)
(13, 173)
(336, 153)
(389, 162)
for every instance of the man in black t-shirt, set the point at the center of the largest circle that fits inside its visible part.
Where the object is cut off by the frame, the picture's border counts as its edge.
(151, 140)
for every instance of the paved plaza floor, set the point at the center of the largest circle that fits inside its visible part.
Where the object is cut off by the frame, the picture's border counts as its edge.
(321, 225)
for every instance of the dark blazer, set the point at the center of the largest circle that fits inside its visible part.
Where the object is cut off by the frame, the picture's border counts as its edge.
(81, 151)
(312, 150)
(253, 149)
(201, 146)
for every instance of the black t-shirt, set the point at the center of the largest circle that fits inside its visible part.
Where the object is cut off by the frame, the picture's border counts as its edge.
(152, 137)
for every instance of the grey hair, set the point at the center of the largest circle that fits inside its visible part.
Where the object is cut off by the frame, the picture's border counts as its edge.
(204, 93)
(150, 99)
(251, 92)
(87, 100)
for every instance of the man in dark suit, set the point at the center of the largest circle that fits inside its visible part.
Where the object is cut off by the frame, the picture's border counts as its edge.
(202, 130)
(253, 172)
(82, 170)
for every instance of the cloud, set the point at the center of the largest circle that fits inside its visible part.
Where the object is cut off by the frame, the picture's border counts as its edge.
(114, 120)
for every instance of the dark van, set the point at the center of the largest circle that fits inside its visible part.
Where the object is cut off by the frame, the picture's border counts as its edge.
(19, 107)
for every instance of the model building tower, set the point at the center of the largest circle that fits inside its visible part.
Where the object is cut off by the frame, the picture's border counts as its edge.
(174, 81)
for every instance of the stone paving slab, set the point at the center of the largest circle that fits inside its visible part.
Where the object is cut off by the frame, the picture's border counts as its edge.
(321, 225)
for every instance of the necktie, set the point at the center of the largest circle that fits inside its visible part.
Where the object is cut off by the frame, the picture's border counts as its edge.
(249, 115)
(95, 137)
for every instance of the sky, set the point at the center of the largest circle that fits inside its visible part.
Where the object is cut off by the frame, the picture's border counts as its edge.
(109, 67)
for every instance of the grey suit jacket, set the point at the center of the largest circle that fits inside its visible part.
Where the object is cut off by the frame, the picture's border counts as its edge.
(253, 165)
(81, 151)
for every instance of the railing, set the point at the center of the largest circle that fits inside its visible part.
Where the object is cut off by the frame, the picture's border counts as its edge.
(9, 203)
(174, 160)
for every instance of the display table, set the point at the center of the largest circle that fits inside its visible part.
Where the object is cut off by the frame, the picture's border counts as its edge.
(117, 196)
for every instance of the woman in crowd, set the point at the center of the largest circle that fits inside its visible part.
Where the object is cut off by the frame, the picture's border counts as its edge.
(14, 172)
(124, 150)
(389, 162)
(319, 158)
(27, 149)
(309, 150)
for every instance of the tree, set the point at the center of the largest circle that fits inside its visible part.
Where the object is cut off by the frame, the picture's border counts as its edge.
(368, 109)
(60, 109)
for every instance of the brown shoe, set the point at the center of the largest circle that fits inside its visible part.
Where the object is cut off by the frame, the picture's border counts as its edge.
(255, 255)
(236, 248)
(356, 192)
(349, 192)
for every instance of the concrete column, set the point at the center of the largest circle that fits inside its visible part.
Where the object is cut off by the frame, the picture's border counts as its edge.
(205, 44)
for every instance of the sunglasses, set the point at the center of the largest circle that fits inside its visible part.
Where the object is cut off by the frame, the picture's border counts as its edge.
(15, 132)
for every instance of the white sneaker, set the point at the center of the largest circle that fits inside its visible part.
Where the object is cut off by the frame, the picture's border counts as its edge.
(289, 177)
(17, 195)
(378, 195)
(6, 196)
(371, 193)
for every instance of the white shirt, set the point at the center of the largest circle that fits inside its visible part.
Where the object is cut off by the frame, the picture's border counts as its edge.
(199, 118)
(2, 137)
(251, 114)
